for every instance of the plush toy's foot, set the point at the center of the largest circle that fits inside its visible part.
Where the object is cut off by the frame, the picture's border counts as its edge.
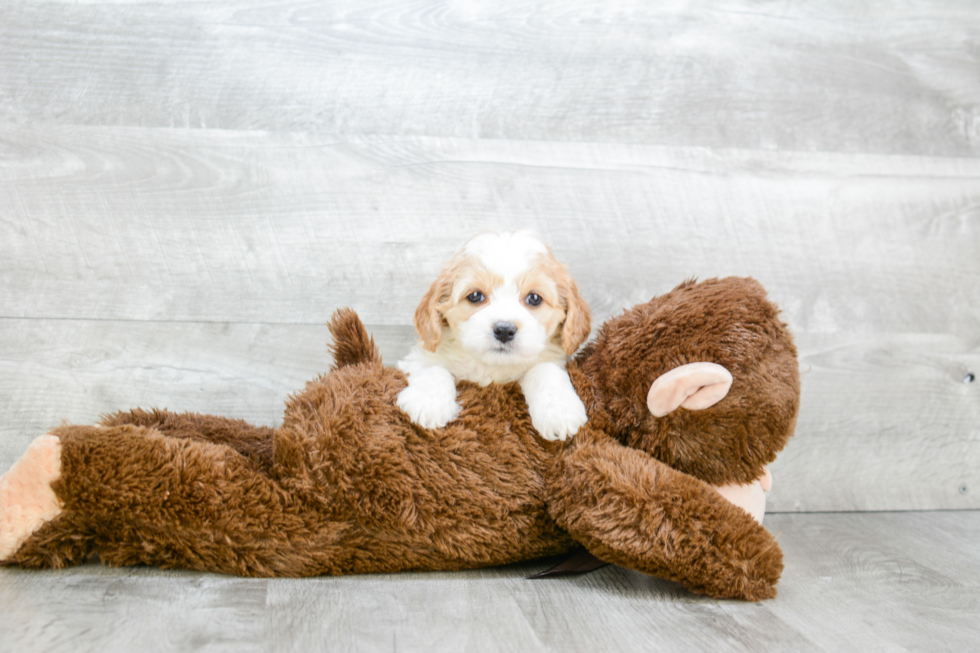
(27, 501)
(750, 497)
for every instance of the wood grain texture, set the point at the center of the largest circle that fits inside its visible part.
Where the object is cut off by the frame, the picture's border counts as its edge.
(887, 422)
(188, 190)
(188, 225)
(880, 581)
(836, 75)
(870, 581)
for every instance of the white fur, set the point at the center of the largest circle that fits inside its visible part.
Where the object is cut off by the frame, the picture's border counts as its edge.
(461, 363)
(552, 402)
(506, 254)
(430, 398)
(502, 362)
(472, 353)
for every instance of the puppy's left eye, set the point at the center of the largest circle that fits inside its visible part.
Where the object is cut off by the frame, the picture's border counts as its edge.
(475, 297)
(533, 299)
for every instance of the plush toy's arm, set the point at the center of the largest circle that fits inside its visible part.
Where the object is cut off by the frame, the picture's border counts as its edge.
(632, 510)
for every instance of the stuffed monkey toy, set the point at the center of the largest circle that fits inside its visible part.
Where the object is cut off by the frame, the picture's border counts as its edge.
(689, 397)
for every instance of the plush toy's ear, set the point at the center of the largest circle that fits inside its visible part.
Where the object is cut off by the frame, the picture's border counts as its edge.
(694, 386)
(428, 314)
(578, 318)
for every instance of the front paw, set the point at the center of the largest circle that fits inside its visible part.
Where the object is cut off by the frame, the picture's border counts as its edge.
(429, 407)
(557, 416)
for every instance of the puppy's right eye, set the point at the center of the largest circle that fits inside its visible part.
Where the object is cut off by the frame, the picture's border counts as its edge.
(475, 297)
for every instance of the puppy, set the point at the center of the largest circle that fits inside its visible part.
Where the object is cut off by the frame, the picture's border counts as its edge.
(504, 309)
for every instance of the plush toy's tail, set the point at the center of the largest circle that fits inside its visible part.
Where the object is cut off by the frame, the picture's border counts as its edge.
(351, 342)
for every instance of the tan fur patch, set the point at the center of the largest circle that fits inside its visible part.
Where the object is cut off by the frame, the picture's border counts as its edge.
(27, 501)
(576, 317)
(473, 277)
(539, 280)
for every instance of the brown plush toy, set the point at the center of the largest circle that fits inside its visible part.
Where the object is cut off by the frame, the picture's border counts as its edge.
(349, 485)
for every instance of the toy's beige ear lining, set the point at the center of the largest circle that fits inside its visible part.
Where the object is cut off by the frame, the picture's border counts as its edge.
(694, 386)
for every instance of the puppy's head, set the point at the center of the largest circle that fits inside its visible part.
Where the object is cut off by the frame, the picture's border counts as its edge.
(504, 297)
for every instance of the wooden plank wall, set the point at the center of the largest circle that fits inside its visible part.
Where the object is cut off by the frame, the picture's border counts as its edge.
(188, 190)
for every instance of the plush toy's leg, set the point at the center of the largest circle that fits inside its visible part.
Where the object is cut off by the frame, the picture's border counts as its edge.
(253, 442)
(27, 501)
(634, 511)
(133, 495)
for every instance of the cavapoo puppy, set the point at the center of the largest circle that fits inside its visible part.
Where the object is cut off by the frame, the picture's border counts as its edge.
(504, 309)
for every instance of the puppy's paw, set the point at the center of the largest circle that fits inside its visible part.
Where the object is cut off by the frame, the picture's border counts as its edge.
(428, 411)
(558, 417)
(556, 411)
(27, 501)
(430, 398)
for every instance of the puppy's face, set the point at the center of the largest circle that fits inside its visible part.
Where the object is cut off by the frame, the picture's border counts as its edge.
(504, 297)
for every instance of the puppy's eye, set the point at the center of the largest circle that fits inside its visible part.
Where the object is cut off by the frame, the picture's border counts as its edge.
(533, 299)
(475, 297)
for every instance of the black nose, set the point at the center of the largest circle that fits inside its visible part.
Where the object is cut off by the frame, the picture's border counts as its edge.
(504, 331)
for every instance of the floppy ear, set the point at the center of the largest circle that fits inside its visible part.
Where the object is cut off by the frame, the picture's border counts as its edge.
(578, 318)
(428, 314)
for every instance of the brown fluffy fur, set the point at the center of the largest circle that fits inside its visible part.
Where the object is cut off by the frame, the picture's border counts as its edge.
(348, 484)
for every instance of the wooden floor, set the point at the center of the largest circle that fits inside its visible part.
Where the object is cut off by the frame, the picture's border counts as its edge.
(189, 189)
(853, 582)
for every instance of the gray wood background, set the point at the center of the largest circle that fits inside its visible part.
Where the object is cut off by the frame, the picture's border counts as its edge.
(188, 190)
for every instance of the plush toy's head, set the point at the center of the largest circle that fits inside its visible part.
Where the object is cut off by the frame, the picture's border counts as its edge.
(703, 378)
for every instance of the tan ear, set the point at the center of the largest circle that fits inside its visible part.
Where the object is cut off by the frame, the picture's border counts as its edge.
(578, 318)
(694, 386)
(428, 315)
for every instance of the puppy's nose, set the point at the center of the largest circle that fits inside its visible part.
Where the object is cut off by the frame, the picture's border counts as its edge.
(504, 331)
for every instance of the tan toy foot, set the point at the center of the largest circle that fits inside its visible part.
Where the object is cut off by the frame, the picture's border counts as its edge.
(27, 501)
(750, 497)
